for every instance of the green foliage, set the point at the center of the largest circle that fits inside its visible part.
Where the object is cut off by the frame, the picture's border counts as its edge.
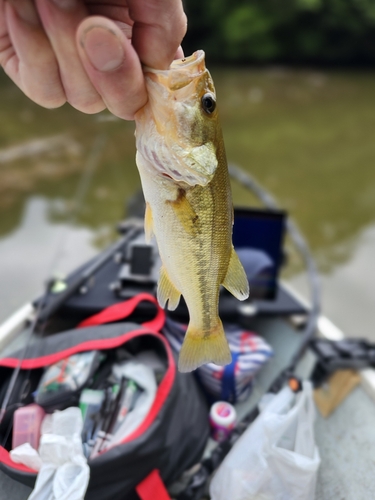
(309, 4)
(291, 31)
(248, 33)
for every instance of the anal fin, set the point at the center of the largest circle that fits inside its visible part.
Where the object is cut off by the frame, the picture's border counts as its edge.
(167, 292)
(236, 280)
(149, 231)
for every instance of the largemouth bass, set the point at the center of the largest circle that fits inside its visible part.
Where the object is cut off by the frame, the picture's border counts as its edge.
(184, 174)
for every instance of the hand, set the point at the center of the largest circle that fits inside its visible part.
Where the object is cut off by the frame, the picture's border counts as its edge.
(88, 53)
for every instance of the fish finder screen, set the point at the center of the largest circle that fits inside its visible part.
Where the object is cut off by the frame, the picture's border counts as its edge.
(258, 239)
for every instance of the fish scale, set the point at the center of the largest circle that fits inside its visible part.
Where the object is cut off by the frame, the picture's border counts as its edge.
(184, 174)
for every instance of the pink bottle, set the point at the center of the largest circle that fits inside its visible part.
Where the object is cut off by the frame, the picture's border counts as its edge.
(222, 420)
(26, 425)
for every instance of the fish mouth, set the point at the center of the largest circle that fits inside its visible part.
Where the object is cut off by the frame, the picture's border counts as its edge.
(196, 59)
(181, 72)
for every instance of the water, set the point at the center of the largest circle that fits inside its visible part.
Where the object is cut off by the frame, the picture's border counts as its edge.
(307, 136)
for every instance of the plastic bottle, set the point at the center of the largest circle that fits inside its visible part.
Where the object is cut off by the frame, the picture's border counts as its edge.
(27, 422)
(222, 420)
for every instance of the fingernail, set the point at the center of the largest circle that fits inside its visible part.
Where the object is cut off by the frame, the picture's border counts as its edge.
(26, 11)
(65, 4)
(103, 48)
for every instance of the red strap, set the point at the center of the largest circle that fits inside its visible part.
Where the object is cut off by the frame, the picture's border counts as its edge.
(123, 310)
(152, 488)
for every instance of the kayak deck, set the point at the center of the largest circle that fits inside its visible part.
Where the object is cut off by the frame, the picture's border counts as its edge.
(346, 442)
(346, 439)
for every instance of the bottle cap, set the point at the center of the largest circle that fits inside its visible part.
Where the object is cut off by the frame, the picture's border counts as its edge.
(223, 413)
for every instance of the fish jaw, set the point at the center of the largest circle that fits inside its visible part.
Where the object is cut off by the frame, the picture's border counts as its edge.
(172, 131)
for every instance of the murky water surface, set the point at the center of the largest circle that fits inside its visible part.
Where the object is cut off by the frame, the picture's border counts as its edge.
(307, 136)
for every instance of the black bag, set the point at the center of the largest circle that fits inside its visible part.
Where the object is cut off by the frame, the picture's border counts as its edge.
(169, 440)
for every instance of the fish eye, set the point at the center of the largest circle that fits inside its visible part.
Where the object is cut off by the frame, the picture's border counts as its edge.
(209, 103)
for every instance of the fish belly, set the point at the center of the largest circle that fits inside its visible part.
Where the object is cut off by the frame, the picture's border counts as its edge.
(194, 241)
(193, 228)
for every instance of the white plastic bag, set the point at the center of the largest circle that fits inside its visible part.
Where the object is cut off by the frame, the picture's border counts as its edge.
(25, 454)
(276, 458)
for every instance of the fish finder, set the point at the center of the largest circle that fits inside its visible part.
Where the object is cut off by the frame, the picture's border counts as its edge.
(258, 237)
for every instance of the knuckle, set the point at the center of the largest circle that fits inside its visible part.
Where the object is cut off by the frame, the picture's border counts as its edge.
(82, 95)
(183, 24)
(50, 102)
(126, 109)
(124, 115)
(6, 50)
(87, 106)
(6, 59)
(47, 98)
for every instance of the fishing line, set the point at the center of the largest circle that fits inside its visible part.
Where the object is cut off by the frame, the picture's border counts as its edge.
(77, 203)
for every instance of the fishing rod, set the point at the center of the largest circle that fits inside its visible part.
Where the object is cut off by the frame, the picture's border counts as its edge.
(78, 199)
(76, 282)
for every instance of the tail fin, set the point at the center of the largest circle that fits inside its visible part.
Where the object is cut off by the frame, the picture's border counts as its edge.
(198, 349)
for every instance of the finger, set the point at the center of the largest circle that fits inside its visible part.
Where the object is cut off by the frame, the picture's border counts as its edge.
(180, 53)
(158, 30)
(118, 12)
(60, 19)
(113, 66)
(7, 52)
(27, 56)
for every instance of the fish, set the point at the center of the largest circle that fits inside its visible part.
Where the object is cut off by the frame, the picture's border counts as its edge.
(184, 175)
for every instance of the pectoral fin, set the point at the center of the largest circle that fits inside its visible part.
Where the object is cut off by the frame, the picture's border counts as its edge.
(149, 231)
(167, 291)
(236, 280)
